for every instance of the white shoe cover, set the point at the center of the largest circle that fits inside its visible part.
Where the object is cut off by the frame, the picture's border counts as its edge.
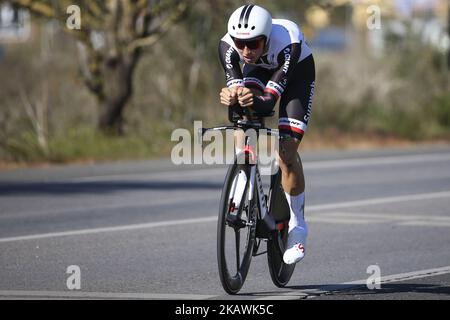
(296, 245)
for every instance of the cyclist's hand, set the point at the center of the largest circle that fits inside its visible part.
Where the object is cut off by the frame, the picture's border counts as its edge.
(228, 96)
(245, 97)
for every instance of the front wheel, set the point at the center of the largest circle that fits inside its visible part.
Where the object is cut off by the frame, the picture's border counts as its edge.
(236, 229)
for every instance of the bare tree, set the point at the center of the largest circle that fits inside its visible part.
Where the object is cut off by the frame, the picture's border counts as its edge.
(111, 38)
(448, 33)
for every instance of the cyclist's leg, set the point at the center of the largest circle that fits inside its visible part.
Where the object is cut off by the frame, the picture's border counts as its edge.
(293, 180)
(295, 111)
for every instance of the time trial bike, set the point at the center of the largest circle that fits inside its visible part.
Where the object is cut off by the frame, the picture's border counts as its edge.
(248, 215)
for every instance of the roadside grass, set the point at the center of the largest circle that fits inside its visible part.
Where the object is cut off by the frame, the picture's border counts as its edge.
(85, 144)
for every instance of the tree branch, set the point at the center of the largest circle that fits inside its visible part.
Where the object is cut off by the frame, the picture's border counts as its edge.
(160, 30)
(39, 7)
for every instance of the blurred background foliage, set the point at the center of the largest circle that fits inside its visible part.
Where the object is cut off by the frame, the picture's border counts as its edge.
(379, 86)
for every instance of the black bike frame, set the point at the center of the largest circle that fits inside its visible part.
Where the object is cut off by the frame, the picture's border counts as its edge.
(251, 158)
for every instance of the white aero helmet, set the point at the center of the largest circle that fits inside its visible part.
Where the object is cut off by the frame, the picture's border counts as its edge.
(250, 21)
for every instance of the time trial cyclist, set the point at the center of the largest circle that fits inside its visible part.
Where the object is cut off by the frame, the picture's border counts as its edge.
(277, 65)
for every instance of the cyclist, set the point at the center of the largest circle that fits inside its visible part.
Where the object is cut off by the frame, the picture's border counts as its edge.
(277, 64)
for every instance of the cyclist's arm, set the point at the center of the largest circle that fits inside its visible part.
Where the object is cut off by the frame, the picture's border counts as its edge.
(229, 58)
(287, 59)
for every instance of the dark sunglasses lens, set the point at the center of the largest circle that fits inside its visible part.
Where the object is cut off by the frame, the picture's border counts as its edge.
(252, 45)
(239, 44)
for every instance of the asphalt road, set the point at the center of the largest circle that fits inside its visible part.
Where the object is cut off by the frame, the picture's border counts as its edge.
(147, 230)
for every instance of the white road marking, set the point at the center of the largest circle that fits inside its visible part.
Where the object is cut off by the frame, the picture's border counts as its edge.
(291, 294)
(99, 295)
(383, 200)
(110, 229)
(145, 204)
(339, 220)
(407, 276)
(148, 203)
(311, 293)
(425, 223)
(195, 173)
(202, 173)
(375, 161)
(371, 218)
(350, 204)
(308, 165)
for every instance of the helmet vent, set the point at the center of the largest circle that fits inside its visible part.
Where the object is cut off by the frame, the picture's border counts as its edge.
(253, 28)
(239, 25)
(246, 26)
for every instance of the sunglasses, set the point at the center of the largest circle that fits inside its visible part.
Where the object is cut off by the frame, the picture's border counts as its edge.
(251, 44)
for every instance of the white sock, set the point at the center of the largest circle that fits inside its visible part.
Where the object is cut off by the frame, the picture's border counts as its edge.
(297, 206)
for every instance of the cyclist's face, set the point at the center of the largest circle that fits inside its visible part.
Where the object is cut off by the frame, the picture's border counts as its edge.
(251, 51)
